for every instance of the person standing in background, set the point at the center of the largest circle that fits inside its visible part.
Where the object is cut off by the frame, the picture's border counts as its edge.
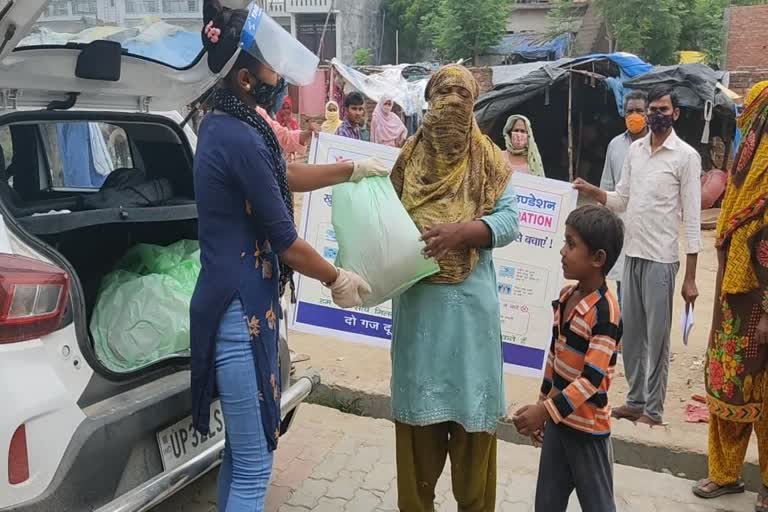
(354, 120)
(635, 108)
(522, 152)
(291, 141)
(737, 355)
(332, 118)
(659, 189)
(386, 126)
(285, 115)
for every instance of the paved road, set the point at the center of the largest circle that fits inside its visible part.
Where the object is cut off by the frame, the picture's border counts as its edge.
(333, 462)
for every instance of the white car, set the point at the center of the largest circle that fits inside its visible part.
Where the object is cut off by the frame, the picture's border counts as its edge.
(94, 160)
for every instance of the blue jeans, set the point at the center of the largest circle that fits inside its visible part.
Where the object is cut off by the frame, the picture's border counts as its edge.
(247, 465)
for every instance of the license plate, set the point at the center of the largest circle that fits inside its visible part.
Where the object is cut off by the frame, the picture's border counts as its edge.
(181, 442)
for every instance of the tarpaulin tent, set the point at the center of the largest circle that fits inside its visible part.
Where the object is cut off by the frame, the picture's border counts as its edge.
(516, 84)
(527, 47)
(389, 80)
(575, 106)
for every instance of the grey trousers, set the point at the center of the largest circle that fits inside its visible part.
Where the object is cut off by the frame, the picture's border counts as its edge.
(647, 290)
(573, 460)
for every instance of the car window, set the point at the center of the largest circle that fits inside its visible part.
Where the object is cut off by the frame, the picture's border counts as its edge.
(82, 154)
(6, 145)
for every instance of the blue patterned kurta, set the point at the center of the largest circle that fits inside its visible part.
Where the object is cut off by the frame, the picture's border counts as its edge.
(446, 342)
(243, 223)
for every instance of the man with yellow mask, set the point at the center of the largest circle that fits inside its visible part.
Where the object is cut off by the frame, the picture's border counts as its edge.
(635, 107)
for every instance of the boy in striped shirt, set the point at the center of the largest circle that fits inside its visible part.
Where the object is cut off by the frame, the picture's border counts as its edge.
(572, 418)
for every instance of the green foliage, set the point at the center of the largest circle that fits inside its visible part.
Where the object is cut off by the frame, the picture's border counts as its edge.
(461, 29)
(362, 56)
(656, 30)
(406, 16)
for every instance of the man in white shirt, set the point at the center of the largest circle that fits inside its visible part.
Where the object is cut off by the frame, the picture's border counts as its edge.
(635, 109)
(659, 189)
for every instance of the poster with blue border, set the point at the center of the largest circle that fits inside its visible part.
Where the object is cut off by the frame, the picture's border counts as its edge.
(529, 274)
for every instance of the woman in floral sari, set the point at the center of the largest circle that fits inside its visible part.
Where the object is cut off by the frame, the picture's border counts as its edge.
(736, 377)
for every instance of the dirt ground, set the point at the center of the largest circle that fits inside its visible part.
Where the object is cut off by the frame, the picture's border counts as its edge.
(367, 368)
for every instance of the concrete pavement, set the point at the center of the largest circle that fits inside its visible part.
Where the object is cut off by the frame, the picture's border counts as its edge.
(334, 462)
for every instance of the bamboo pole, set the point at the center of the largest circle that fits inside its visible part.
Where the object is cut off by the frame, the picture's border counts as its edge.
(570, 127)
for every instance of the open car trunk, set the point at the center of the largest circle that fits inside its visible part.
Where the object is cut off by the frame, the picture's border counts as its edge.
(100, 189)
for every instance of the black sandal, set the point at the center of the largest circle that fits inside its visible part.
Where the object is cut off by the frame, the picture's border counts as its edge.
(721, 490)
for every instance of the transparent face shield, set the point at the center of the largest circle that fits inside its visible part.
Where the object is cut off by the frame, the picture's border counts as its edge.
(264, 39)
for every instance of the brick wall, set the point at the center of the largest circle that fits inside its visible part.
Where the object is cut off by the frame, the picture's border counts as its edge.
(743, 80)
(484, 77)
(747, 47)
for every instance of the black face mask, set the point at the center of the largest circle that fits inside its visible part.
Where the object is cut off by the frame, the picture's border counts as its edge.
(267, 96)
(660, 123)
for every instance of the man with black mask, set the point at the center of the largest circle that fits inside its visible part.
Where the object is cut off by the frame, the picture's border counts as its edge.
(659, 189)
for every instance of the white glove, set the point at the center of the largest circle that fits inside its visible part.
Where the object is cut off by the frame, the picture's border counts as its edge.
(349, 289)
(368, 168)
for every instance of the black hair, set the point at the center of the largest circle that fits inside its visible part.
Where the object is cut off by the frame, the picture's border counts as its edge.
(354, 99)
(230, 22)
(660, 91)
(601, 230)
(635, 95)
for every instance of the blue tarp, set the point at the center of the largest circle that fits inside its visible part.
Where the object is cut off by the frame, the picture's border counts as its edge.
(629, 65)
(533, 47)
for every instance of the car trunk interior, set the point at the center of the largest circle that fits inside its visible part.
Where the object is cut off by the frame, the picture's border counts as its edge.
(89, 217)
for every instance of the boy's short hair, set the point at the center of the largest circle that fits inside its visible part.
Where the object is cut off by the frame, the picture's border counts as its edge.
(600, 229)
(354, 99)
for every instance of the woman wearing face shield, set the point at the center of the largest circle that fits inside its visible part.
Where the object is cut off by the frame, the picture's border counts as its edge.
(249, 251)
(522, 152)
(447, 387)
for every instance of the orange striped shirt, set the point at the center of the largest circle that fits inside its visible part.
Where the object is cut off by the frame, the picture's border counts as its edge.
(581, 361)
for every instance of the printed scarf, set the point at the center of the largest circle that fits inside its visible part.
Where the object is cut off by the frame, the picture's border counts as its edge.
(228, 103)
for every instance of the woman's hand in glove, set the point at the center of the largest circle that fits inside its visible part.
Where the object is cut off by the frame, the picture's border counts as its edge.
(349, 289)
(368, 168)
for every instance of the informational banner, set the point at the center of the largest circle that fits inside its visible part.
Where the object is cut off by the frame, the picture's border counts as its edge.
(528, 271)
(314, 311)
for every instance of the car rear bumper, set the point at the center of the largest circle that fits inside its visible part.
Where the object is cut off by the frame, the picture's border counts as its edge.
(166, 484)
(114, 452)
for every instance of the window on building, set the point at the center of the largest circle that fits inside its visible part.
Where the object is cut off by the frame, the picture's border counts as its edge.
(181, 6)
(309, 30)
(142, 6)
(82, 7)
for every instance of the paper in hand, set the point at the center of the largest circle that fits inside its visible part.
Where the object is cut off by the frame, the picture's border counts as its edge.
(686, 323)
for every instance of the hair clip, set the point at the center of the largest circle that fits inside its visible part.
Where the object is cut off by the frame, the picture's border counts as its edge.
(212, 33)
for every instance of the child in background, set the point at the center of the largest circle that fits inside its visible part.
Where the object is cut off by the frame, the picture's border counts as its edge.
(572, 417)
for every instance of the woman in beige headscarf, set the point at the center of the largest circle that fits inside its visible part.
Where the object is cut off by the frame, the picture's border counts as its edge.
(447, 387)
(332, 118)
(522, 151)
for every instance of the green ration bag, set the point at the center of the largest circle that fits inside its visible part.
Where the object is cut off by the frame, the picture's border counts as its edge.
(377, 239)
(142, 311)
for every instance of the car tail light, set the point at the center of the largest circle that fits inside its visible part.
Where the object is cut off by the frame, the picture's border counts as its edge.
(18, 457)
(33, 298)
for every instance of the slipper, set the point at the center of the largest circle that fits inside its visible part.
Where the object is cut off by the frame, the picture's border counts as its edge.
(762, 497)
(721, 490)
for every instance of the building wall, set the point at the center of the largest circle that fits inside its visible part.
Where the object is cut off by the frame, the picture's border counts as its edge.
(742, 81)
(747, 44)
(529, 18)
(359, 26)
